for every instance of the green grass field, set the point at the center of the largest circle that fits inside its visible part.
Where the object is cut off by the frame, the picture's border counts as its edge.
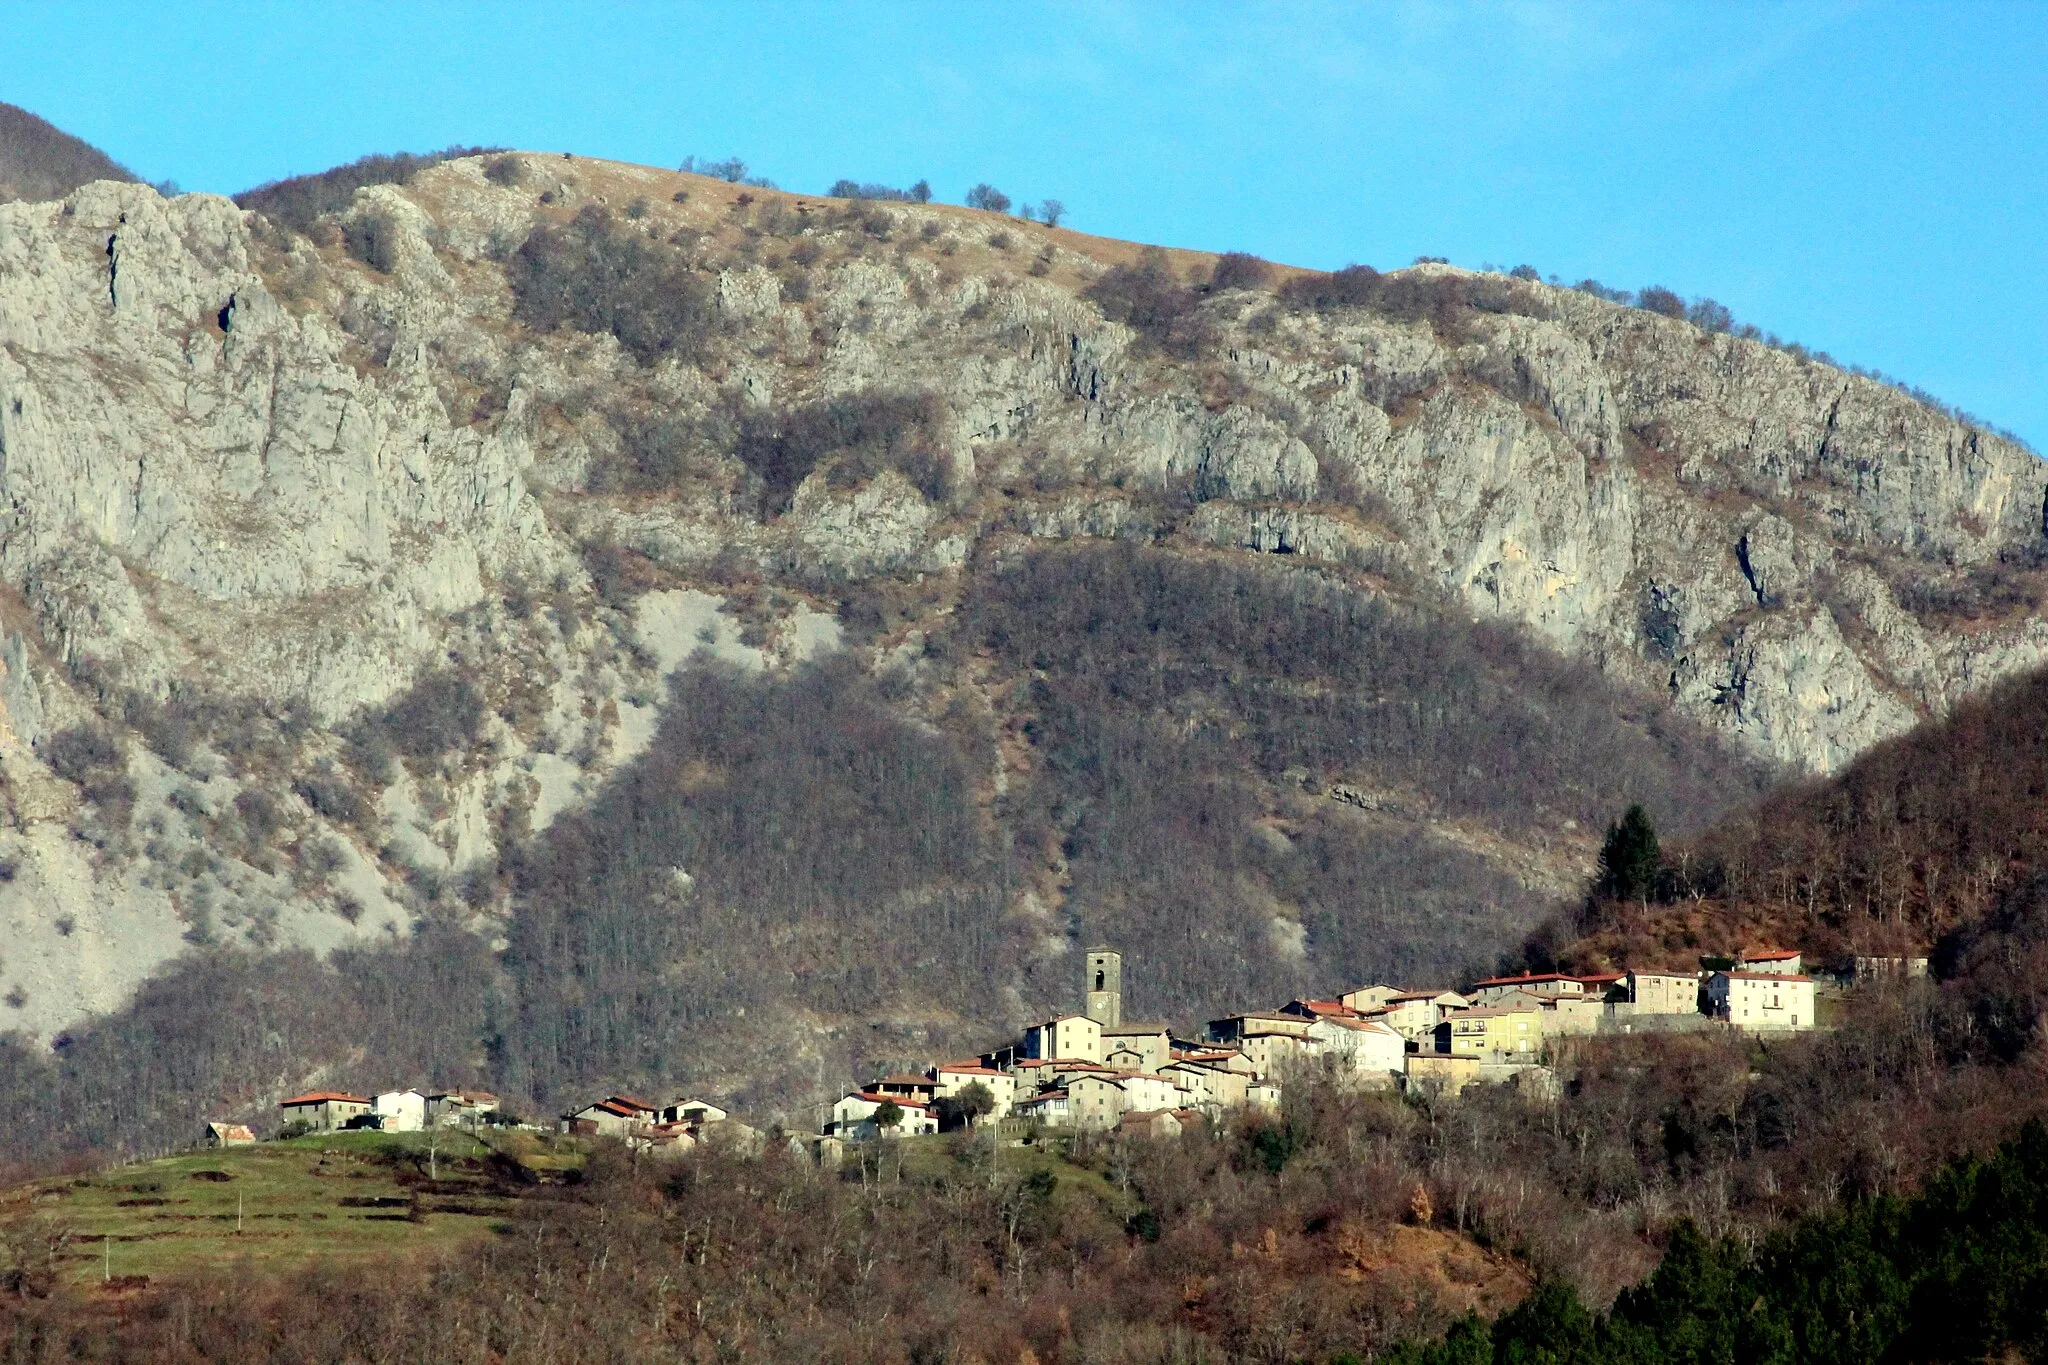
(340, 1195)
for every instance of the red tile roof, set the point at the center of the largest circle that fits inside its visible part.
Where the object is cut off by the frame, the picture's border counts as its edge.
(1769, 957)
(1524, 979)
(900, 1101)
(321, 1097)
(1330, 1008)
(630, 1102)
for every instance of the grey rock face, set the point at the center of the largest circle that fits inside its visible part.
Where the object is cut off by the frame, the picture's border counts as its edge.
(259, 469)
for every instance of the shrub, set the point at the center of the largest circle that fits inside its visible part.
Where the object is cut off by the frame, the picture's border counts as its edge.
(328, 791)
(371, 240)
(1601, 291)
(1239, 270)
(1526, 272)
(1147, 298)
(503, 170)
(987, 196)
(260, 817)
(441, 713)
(1709, 316)
(1657, 299)
(732, 170)
(858, 435)
(920, 193)
(595, 276)
(1052, 213)
(298, 201)
(91, 757)
(661, 448)
(1355, 286)
(80, 752)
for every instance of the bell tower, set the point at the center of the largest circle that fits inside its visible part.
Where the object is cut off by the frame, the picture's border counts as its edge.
(1105, 987)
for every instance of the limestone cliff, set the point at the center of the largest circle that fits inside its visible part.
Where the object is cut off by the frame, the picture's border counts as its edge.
(258, 486)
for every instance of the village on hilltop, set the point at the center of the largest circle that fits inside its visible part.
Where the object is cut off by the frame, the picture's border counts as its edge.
(1096, 1071)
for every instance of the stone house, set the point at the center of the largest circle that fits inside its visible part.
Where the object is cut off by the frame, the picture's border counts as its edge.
(227, 1135)
(1137, 1047)
(400, 1111)
(1493, 1034)
(1151, 1124)
(1071, 1036)
(1274, 1052)
(1565, 1016)
(1208, 1086)
(616, 1116)
(460, 1108)
(1048, 1107)
(1894, 968)
(951, 1078)
(689, 1111)
(1416, 1014)
(853, 1116)
(1664, 992)
(1366, 998)
(1096, 1102)
(325, 1111)
(902, 1086)
(1364, 1046)
(1235, 1028)
(1761, 1002)
(1493, 989)
(1440, 1072)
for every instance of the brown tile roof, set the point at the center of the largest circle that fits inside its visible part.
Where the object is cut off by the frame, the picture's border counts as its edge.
(321, 1097)
(1775, 955)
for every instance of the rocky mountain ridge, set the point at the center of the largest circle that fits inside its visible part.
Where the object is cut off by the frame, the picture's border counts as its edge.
(272, 499)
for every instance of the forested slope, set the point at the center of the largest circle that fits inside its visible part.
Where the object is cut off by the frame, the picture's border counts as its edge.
(1930, 844)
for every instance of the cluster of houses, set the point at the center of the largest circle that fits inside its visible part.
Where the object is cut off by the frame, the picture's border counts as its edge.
(1097, 1071)
(395, 1111)
(661, 1130)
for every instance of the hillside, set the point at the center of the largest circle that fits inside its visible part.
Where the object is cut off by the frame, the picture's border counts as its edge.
(41, 162)
(361, 577)
(1929, 844)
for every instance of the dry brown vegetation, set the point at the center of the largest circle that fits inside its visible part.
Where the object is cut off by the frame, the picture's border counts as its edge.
(1927, 842)
(40, 162)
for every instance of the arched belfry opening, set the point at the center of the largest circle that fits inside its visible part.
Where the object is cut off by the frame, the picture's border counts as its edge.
(1105, 983)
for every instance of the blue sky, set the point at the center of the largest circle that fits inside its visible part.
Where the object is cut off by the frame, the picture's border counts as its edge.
(1870, 179)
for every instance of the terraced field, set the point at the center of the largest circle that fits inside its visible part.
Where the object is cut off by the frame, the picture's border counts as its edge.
(344, 1196)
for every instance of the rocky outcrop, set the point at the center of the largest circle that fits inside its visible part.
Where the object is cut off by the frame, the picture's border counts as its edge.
(249, 472)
